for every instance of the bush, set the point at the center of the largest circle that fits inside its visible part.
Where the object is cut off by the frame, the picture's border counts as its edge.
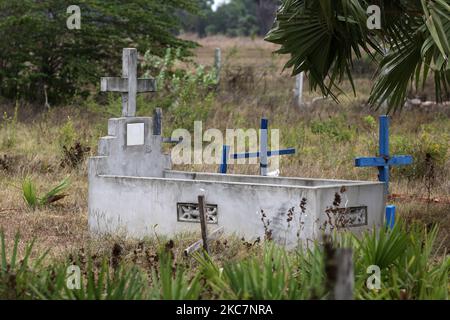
(429, 151)
(335, 128)
(67, 135)
(185, 88)
(73, 151)
(107, 280)
(42, 59)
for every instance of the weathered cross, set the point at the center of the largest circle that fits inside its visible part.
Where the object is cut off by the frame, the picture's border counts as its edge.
(384, 161)
(263, 154)
(128, 84)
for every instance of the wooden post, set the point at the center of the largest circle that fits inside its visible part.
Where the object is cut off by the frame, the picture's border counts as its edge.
(339, 271)
(202, 211)
(218, 62)
(298, 91)
(345, 277)
(198, 244)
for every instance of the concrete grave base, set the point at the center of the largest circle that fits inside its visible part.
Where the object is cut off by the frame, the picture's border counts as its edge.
(132, 189)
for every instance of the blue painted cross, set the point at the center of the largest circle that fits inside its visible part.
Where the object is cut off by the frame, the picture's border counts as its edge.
(263, 154)
(384, 161)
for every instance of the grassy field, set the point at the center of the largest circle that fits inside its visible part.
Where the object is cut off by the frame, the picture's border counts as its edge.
(52, 145)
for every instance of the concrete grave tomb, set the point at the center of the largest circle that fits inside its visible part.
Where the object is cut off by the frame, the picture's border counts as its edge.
(133, 189)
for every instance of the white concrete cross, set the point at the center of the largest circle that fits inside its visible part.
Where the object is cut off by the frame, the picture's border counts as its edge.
(128, 84)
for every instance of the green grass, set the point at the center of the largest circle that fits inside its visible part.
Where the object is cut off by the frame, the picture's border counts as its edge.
(53, 195)
(409, 270)
(327, 137)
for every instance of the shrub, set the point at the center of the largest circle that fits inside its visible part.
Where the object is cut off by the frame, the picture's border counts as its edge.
(184, 88)
(26, 279)
(407, 257)
(9, 128)
(67, 135)
(41, 58)
(429, 150)
(33, 201)
(334, 128)
(73, 151)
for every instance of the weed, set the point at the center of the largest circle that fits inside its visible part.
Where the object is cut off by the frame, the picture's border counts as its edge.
(268, 236)
(6, 163)
(334, 128)
(73, 151)
(33, 201)
(337, 218)
(409, 269)
(74, 155)
(9, 126)
(67, 135)
(429, 150)
(185, 88)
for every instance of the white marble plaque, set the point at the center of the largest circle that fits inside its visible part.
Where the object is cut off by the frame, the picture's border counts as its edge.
(135, 134)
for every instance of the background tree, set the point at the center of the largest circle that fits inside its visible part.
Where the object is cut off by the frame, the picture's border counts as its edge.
(40, 56)
(234, 18)
(323, 37)
(265, 12)
(197, 22)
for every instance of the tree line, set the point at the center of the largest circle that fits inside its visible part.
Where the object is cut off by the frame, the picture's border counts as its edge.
(42, 59)
(234, 18)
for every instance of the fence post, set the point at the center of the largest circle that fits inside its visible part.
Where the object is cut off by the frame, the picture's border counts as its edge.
(217, 62)
(298, 91)
(339, 271)
(345, 277)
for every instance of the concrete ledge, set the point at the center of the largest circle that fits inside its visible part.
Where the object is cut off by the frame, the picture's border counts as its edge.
(277, 181)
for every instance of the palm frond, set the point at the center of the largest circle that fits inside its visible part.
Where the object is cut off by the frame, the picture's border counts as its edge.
(29, 193)
(324, 37)
(55, 194)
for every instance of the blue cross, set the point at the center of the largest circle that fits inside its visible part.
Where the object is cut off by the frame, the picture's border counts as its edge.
(384, 161)
(263, 154)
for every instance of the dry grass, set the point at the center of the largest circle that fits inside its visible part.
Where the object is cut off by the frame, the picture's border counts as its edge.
(63, 227)
(244, 50)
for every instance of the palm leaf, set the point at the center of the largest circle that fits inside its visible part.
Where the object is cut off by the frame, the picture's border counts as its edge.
(324, 37)
(55, 194)
(29, 193)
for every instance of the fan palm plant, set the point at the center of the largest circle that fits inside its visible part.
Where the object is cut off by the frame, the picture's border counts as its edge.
(323, 37)
(33, 200)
